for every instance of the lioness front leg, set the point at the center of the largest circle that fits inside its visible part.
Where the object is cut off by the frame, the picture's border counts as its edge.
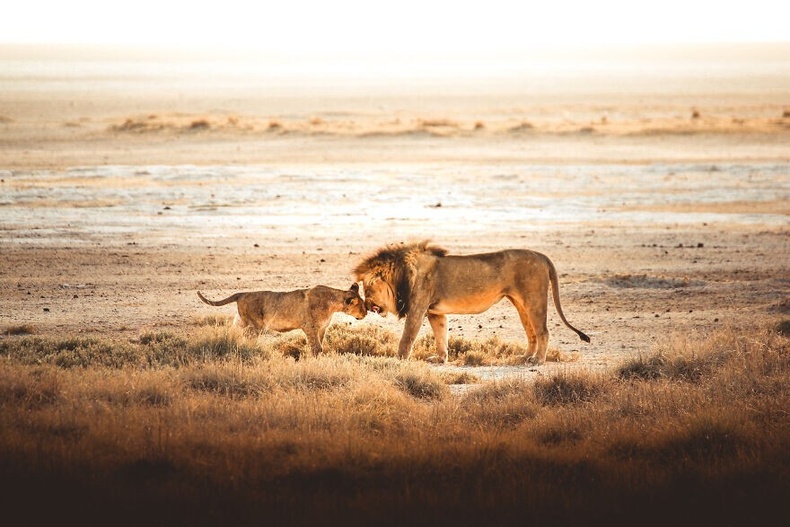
(410, 330)
(314, 341)
(439, 326)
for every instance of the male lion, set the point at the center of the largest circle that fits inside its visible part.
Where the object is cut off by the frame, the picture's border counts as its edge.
(307, 309)
(415, 280)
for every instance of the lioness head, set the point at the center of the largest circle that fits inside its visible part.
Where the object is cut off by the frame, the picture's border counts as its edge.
(353, 304)
(379, 297)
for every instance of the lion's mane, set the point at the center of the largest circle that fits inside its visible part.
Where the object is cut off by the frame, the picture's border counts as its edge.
(396, 265)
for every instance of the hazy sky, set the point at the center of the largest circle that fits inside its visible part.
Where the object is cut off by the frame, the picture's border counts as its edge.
(403, 25)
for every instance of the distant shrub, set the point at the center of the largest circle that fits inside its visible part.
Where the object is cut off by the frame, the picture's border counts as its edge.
(437, 123)
(23, 329)
(199, 124)
(524, 126)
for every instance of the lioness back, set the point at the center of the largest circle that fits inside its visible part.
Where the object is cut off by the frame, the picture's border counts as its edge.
(277, 311)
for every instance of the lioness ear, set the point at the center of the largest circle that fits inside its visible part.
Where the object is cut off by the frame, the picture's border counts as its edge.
(354, 288)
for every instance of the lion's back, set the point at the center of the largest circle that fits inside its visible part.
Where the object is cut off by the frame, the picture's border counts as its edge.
(493, 268)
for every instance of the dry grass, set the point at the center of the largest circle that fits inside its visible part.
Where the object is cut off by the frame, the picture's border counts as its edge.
(217, 427)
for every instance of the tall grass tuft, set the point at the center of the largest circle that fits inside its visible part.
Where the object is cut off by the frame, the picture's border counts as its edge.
(222, 345)
(21, 329)
(421, 384)
(501, 404)
(366, 340)
(569, 388)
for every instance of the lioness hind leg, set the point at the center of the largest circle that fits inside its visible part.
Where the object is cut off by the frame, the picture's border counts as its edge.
(239, 322)
(315, 338)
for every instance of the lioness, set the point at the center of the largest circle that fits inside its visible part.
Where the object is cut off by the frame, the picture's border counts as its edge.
(415, 280)
(307, 309)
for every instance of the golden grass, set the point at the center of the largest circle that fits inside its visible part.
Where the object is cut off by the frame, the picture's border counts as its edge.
(215, 427)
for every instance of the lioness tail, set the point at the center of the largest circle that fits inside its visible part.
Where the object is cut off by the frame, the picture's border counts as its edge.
(231, 298)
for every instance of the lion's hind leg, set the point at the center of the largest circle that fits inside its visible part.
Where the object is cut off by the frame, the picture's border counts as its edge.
(533, 319)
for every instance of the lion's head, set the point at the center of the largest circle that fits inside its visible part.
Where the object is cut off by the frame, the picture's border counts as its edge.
(379, 297)
(386, 276)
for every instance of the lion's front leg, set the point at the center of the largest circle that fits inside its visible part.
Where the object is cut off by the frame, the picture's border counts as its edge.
(410, 330)
(439, 326)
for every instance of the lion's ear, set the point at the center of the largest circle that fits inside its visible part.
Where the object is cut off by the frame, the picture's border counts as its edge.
(354, 288)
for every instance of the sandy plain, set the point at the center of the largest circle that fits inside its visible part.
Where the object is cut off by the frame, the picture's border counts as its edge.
(659, 186)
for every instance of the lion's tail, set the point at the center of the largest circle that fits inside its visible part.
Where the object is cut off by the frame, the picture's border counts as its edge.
(231, 298)
(555, 289)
